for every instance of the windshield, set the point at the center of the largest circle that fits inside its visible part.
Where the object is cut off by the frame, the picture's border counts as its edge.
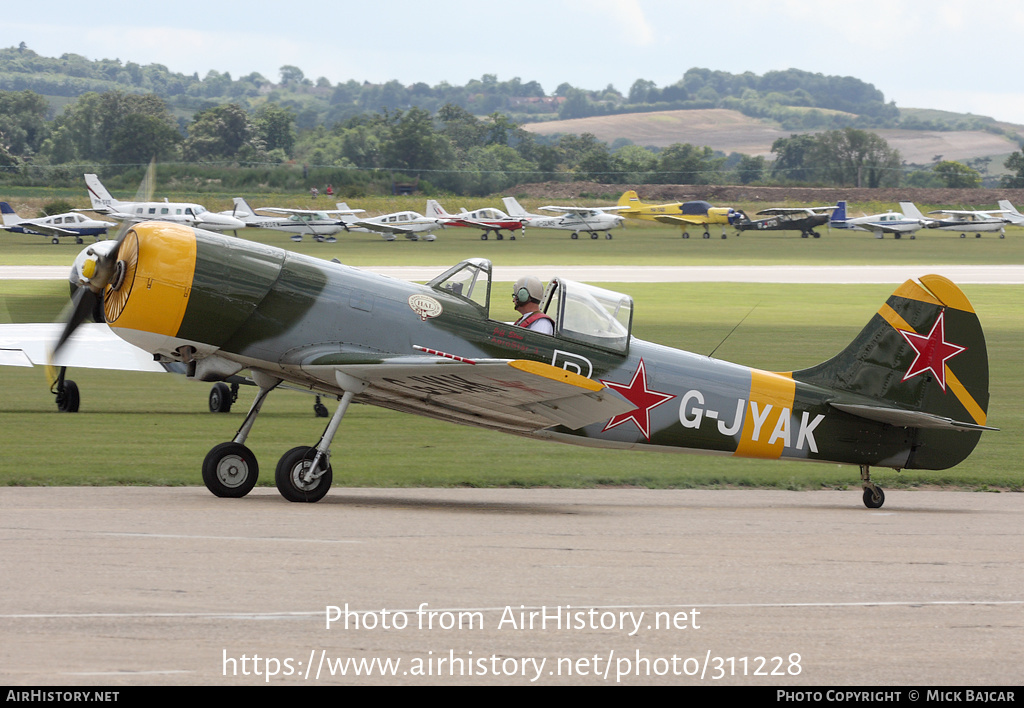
(470, 280)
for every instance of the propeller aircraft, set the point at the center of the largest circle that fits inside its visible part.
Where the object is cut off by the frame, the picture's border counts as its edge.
(910, 391)
(591, 220)
(321, 224)
(891, 222)
(411, 224)
(57, 226)
(802, 219)
(681, 214)
(176, 212)
(963, 220)
(487, 219)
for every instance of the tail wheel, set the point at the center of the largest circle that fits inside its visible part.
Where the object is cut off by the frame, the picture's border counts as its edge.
(230, 470)
(292, 474)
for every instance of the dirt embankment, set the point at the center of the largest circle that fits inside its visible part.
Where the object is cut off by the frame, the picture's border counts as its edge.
(969, 198)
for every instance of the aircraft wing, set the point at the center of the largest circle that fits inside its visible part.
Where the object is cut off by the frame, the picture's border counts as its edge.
(512, 395)
(776, 211)
(92, 346)
(681, 220)
(283, 210)
(43, 229)
(578, 210)
(384, 228)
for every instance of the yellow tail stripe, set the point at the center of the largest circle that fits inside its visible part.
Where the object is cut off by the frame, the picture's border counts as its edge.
(965, 398)
(767, 425)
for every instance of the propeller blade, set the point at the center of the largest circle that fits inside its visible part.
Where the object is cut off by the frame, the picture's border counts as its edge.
(83, 302)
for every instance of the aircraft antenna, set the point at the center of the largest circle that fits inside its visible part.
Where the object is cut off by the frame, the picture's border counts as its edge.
(733, 329)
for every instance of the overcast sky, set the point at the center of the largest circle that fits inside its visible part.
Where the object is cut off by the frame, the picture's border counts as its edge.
(948, 54)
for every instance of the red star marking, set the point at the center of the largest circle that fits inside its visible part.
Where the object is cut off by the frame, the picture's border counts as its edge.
(933, 351)
(637, 393)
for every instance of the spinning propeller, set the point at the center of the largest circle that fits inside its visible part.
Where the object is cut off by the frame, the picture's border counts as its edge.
(99, 266)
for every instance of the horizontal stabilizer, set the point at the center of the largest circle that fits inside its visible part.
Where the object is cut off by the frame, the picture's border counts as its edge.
(907, 419)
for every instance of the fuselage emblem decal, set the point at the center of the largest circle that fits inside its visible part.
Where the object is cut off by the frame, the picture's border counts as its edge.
(425, 306)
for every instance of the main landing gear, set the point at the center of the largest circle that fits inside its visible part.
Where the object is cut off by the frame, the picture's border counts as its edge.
(303, 474)
(874, 497)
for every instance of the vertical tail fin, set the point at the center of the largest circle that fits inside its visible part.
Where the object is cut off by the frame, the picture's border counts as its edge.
(513, 207)
(630, 199)
(838, 220)
(10, 216)
(98, 194)
(911, 211)
(920, 363)
(242, 208)
(435, 210)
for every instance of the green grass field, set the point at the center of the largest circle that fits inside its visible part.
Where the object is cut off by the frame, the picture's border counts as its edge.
(155, 429)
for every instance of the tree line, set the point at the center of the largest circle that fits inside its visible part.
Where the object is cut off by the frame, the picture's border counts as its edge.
(451, 150)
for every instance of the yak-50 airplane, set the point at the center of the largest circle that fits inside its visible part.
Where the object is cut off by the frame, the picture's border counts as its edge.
(176, 212)
(487, 219)
(911, 390)
(681, 214)
(321, 224)
(67, 225)
(802, 219)
(591, 220)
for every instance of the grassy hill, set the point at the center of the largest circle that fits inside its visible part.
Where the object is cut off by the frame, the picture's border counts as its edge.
(731, 131)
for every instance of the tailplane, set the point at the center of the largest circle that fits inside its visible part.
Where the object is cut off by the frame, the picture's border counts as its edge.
(920, 363)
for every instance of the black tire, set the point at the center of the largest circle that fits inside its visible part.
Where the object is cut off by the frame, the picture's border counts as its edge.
(220, 398)
(68, 398)
(483, 237)
(593, 236)
(574, 236)
(871, 501)
(230, 470)
(291, 464)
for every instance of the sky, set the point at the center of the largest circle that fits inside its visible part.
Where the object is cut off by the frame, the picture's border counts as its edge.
(947, 54)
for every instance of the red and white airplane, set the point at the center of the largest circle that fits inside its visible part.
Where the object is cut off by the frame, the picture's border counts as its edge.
(487, 219)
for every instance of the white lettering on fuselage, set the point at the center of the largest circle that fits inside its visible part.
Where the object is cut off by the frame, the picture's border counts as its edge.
(692, 412)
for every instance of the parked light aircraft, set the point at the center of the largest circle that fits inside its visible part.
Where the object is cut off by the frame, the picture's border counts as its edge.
(487, 219)
(67, 225)
(681, 214)
(802, 219)
(321, 224)
(963, 220)
(411, 224)
(591, 220)
(911, 391)
(177, 212)
(891, 222)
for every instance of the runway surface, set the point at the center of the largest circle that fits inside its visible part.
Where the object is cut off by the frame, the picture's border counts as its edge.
(962, 274)
(147, 586)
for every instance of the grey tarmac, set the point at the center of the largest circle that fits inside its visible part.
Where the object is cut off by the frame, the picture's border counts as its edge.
(118, 586)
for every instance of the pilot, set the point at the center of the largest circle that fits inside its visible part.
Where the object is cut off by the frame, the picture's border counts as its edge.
(526, 295)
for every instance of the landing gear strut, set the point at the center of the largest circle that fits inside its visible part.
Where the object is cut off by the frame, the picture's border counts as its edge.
(66, 392)
(874, 497)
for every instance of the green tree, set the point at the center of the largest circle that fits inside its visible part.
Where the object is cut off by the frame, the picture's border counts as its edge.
(750, 169)
(793, 158)
(683, 163)
(957, 174)
(1015, 164)
(218, 133)
(274, 126)
(855, 158)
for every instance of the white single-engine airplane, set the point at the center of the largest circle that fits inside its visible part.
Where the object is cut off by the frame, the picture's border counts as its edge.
(487, 219)
(891, 222)
(321, 224)
(591, 220)
(177, 212)
(963, 220)
(910, 391)
(411, 224)
(67, 225)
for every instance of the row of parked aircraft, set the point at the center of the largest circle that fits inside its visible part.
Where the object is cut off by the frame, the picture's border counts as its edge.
(323, 224)
(806, 219)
